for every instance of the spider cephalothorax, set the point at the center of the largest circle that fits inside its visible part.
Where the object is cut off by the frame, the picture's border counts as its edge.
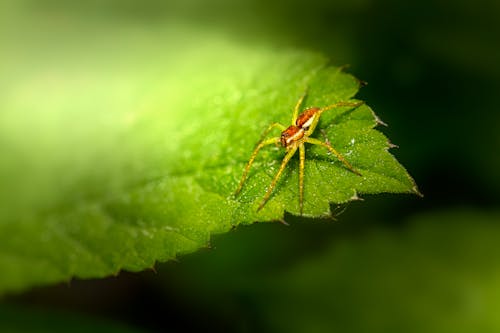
(293, 138)
(294, 133)
(291, 135)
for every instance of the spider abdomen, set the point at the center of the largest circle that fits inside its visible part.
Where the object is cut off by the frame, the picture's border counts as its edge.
(305, 119)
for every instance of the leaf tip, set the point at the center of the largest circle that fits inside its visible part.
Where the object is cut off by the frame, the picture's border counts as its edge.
(379, 121)
(355, 197)
(282, 221)
(417, 191)
(391, 145)
(343, 67)
(362, 83)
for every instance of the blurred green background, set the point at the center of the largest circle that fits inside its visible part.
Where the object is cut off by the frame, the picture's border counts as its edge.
(388, 264)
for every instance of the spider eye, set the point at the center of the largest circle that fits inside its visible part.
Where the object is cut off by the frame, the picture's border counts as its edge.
(284, 138)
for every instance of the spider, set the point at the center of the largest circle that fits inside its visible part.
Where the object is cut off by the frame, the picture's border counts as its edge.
(292, 138)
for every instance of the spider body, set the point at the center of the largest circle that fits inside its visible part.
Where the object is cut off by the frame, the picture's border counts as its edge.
(292, 138)
(296, 132)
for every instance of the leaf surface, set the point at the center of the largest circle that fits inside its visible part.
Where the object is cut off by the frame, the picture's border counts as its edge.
(115, 159)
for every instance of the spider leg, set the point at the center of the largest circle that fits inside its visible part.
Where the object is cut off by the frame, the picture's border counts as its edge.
(326, 108)
(287, 158)
(297, 106)
(302, 159)
(340, 104)
(332, 150)
(261, 144)
(273, 125)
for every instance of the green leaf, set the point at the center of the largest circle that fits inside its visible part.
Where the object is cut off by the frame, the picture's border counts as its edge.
(326, 179)
(115, 159)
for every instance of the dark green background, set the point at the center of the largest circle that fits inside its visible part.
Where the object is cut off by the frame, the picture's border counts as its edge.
(388, 264)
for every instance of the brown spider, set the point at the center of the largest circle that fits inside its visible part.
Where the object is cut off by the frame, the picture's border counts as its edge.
(293, 138)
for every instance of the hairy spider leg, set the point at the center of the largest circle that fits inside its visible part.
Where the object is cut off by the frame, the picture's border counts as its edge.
(287, 158)
(332, 150)
(326, 108)
(262, 143)
(340, 104)
(302, 159)
(297, 107)
(273, 125)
